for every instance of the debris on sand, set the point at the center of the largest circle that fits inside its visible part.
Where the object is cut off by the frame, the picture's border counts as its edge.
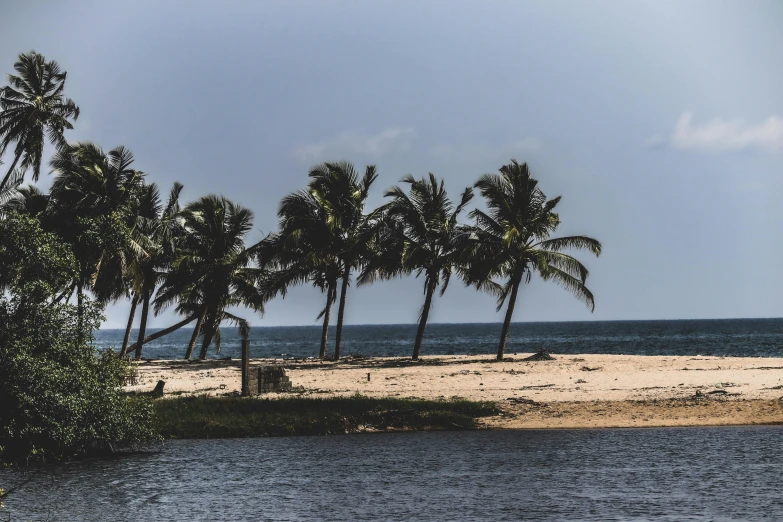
(541, 355)
(521, 400)
(536, 387)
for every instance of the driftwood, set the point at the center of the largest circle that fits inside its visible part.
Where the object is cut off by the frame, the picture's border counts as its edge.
(536, 386)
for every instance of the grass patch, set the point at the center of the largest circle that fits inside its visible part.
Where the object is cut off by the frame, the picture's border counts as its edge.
(219, 417)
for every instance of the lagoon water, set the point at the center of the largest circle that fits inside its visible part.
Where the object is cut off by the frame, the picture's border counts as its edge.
(620, 474)
(738, 337)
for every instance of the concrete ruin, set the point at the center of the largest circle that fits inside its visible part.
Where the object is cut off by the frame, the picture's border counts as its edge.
(267, 379)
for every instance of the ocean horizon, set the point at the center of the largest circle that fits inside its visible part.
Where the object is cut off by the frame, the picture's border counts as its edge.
(759, 337)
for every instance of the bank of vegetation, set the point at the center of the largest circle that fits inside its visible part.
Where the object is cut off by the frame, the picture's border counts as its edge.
(207, 417)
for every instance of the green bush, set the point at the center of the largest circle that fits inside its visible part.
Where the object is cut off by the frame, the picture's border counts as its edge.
(59, 397)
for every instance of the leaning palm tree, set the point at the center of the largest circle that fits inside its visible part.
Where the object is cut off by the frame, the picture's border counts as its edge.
(32, 110)
(302, 251)
(158, 226)
(424, 237)
(513, 240)
(342, 194)
(214, 270)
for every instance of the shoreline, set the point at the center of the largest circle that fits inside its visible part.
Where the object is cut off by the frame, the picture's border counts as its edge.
(571, 392)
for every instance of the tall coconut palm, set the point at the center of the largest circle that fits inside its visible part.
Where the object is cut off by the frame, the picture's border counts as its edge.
(302, 251)
(425, 238)
(513, 240)
(92, 207)
(33, 110)
(159, 227)
(93, 182)
(342, 194)
(214, 268)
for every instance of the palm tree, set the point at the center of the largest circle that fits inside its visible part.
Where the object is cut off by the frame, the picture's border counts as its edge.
(92, 205)
(193, 307)
(303, 251)
(159, 227)
(28, 200)
(342, 194)
(214, 270)
(33, 110)
(424, 238)
(512, 241)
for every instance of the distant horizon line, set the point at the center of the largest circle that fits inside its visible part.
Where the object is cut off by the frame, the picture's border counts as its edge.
(315, 325)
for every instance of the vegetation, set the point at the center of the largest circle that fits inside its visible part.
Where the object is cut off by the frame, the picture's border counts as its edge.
(157, 225)
(213, 269)
(302, 251)
(128, 245)
(217, 417)
(422, 236)
(512, 241)
(33, 109)
(103, 233)
(59, 398)
(342, 195)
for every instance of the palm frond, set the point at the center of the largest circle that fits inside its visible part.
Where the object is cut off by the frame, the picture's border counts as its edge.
(571, 242)
(572, 284)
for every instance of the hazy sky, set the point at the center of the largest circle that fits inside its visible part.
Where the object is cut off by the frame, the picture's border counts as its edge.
(660, 124)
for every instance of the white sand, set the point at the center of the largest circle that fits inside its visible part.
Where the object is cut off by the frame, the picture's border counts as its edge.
(627, 389)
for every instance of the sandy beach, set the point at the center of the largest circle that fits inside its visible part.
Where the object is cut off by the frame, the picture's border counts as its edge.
(572, 391)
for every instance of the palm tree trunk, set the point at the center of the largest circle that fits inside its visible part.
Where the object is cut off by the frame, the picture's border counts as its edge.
(145, 308)
(507, 322)
(425, 312)
(128, 329)
(166, 331)
(341, 312)
(8, 175)
(80, 309)
(194, 337)
(67, 292)
(327, 314)
(209, 332)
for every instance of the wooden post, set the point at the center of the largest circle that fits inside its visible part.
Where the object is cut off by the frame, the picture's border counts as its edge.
(245, 367)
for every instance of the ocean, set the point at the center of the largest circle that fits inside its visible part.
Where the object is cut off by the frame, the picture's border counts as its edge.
(722, 337)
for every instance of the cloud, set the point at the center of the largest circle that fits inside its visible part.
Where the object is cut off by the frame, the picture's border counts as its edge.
(727, 135)
(392, 139)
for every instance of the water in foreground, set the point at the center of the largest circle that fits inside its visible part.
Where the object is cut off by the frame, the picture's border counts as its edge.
(651, 474)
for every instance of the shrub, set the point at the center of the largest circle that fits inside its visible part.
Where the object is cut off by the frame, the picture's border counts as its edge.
(59, 397)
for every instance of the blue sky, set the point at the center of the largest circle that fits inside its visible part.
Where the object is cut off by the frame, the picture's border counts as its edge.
(660, 123)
